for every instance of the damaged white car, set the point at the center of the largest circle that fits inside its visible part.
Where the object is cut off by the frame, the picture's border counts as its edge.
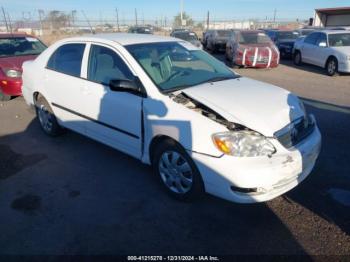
(171, 105)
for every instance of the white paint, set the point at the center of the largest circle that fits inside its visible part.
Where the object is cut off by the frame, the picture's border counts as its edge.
(255, 56)
(261, 107)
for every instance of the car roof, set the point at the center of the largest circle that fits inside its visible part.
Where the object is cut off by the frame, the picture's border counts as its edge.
(125, 38)
(334, 31)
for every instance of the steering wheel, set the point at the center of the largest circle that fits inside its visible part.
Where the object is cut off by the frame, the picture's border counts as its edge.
(176, 73)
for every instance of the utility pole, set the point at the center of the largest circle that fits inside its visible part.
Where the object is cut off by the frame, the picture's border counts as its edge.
(208, 20)
(181, 10)
(116, 10)
(3, 12)
(135, 16)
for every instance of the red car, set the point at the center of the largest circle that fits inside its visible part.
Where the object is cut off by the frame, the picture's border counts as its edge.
(14, 50)
(250, 48)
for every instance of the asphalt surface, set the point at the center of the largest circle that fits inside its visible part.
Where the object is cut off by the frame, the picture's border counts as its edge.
(71, 195)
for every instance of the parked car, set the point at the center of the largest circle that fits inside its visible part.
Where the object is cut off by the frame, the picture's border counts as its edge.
(188, 36)
(304, 31)
(140, 30)
(217, 39)
(205, 37)
(329, 49)
(284, 40)
(173, 106)
(14, 50)
(178, 30)
(250, 48)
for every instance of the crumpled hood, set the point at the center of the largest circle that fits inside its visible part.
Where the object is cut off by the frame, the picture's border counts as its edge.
(15, 62)
(261, 107)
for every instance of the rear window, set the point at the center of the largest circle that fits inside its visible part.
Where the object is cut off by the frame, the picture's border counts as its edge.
(253, 38)
(20, 46)
(223, 33)
(67, 59)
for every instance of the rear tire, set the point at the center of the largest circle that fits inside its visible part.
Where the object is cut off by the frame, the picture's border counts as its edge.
(297, 58)
(177, 171)
(47, 119)
(332, 66)
(4, 98)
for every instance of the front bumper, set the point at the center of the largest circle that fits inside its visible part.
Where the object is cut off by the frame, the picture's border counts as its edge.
(344, 66)
(271, 177)
(11, 87)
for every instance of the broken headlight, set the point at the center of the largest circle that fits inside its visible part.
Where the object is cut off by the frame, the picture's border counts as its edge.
(243, 144)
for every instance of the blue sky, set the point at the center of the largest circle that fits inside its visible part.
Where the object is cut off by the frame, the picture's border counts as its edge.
(155, 9)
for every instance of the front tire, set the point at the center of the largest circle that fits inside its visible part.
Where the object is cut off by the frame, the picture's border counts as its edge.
(297, 58)
(332, 66)
(47, 119)
(177, 171)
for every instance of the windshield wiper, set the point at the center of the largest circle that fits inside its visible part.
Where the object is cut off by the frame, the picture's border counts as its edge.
(219, 78)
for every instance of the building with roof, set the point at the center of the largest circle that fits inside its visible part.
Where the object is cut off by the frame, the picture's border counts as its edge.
(332, 17)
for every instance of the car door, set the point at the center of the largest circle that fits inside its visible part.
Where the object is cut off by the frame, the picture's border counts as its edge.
(115, 117)
(320, 52)
(62, 84)
(308, 48)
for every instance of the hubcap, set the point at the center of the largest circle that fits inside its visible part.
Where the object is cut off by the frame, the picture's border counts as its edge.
(331, 67)
(175, 172)
(45, 118)
(297, 58)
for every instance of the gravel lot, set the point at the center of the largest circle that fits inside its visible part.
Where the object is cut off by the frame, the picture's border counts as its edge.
(71, 195)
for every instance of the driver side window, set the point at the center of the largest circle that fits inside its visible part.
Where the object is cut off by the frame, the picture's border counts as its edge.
(105, 65)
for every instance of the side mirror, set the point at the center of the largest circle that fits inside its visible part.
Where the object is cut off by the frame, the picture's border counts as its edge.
(128, 86)
(322, 44)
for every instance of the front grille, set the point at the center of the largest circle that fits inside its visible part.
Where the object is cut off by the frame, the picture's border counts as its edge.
(295, 132)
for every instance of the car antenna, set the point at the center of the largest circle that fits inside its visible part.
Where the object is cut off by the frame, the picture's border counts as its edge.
(88, 21)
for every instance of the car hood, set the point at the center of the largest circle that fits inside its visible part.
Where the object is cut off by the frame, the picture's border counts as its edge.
(15, 62)
(261, 107)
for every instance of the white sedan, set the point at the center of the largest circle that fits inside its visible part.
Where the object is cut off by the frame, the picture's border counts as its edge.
(329, 49)
(171, 105)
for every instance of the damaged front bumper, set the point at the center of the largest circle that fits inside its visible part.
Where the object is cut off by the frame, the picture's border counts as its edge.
(258, 179)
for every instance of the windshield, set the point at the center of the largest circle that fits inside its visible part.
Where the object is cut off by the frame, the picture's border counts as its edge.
(253, 38)
(186, 36)
(19, 46)
(288, 35)
(223, 33)
(339, 39)
(172, 66)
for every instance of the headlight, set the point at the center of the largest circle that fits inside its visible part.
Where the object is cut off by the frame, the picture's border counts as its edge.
(243, 144)
(12, 73)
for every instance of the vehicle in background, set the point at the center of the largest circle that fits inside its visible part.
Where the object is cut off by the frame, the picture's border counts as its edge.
(205, 37)
(217, 39)
(178, 30)
(140, 30)
(304, 31)
(188, 36)
(250, 48)
(171, 105)
(284, 40)
(329, 49)
(14, 50)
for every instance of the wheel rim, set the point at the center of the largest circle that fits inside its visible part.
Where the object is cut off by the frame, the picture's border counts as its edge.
(45, 118)
(297, 58)
(331, 67)
(175, 172)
